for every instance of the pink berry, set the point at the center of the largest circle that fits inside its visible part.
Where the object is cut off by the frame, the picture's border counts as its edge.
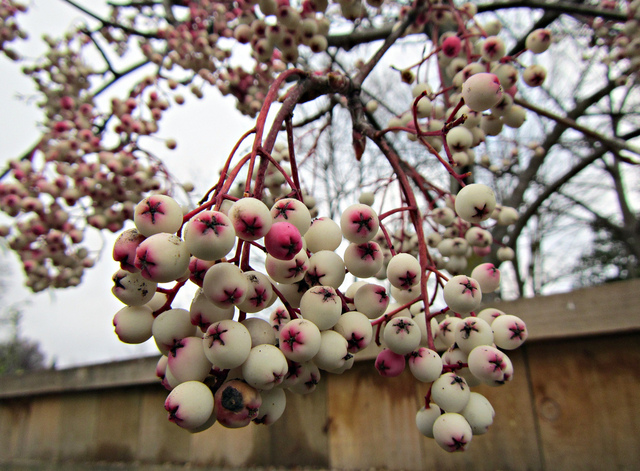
(283, 241)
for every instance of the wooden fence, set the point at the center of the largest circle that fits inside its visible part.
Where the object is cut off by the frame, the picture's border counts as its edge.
(574, 404)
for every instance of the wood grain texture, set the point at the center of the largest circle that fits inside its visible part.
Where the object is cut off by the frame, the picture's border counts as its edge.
(372, 420)
(587, 398)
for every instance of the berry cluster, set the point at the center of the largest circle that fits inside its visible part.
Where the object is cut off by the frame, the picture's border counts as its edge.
(223, 361)
(9, 28)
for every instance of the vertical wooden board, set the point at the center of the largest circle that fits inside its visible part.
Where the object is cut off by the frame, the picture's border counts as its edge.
(42, 438)
(372, 420)
(300, 437)
(159, 441)
(222, 447)
(118, 420)
(14, 419)
(78, 426)
(587, 397)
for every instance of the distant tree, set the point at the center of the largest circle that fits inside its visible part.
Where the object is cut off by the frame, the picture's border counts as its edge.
(18, 354)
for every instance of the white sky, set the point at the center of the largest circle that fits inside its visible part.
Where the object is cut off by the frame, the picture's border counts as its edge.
(73, 326)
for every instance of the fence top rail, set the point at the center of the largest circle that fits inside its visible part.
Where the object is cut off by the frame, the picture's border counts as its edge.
(601, 310)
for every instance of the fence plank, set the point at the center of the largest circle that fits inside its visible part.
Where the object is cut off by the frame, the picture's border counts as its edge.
(372, 421)
(586, 395)
(597, 310)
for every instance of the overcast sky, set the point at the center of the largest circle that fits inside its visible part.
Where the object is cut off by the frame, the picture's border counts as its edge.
(73, 326)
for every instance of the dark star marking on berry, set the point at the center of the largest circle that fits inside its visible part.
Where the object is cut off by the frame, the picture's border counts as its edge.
(299, 268)
(516, 331)
(401, 326)
(145, 263)
(313, 381)
(216, 336)
(355, 341)
(292, 339)
(117, 280)
(497, 363)
(233, 296)
(480, 212)
(458, 380)
(212, 224)
(292, 247)
(467, 328)
(282, 210)
(457, 444)
(367, 250)
(468, 286)
(363, 222)
(313, 277)
(327, 295)
(383, 294)
(259, 298)
(152, 210)
(408, 280)
(251, 227)
(177, 345)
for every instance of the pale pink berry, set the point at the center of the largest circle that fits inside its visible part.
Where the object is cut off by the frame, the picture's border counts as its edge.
(162, 257)
(157, 213)
(265, 367)
(472, 332)
(324, 234)
(326, 268)
(209, 235)
(425, 365)
(356, 328)
(359, 223)
(333, 353)
(171, 326)
(479, 413)
(482, 91)
(450, 392)
(300, 340)
(509, 332)
(251, 218)
(190, 404)
(272, 407)
(133, 324)
(475, 203)
(187, 360)
(132, 288)
(452, 432)
(372, 300)
(287, 271)
(363, 260)
(402, 335)
(292, 211)
(490, 365)
(425, 418)
(124, 249)
(225, 285)
(487, 276)
(322, 306)
(227, 344)
(259, 294)
(403, 271)
(462, 294)
(538, 40)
